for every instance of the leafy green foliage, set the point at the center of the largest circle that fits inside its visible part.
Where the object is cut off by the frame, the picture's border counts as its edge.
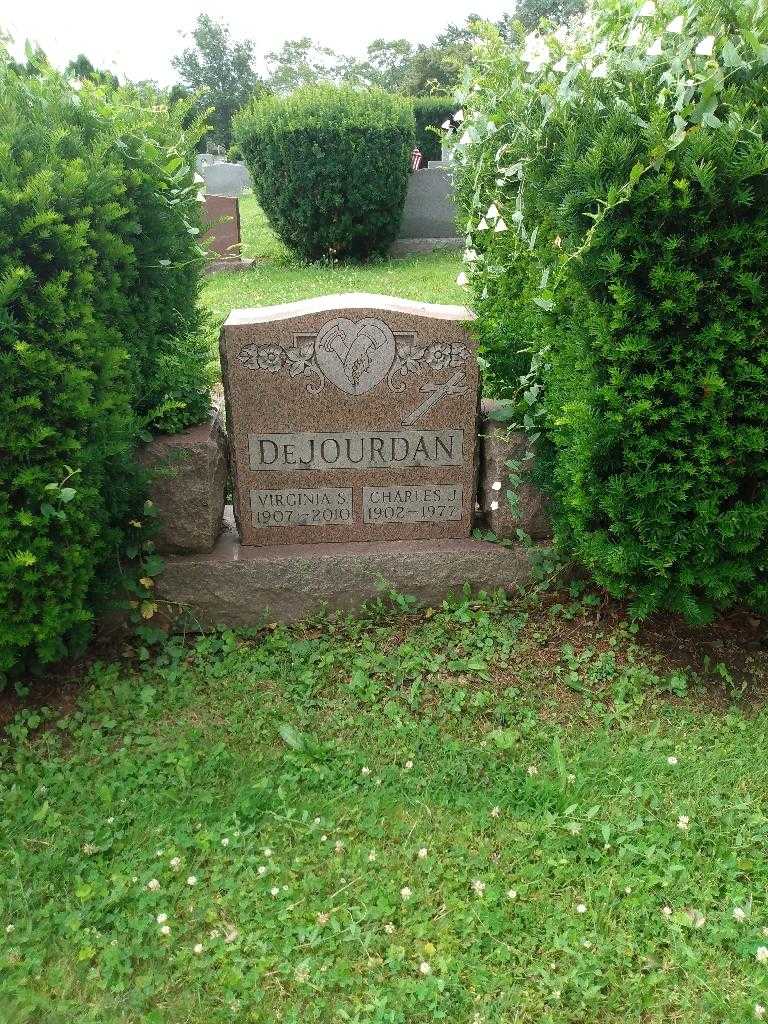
(99, 340)
(615, 190)
(430, 113)
(330, 168)
(266, 799)
(219, 74)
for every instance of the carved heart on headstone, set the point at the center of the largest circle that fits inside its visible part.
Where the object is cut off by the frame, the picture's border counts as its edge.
(355, 356)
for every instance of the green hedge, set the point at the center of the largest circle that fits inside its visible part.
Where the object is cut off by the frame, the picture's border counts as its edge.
(630, 173)
(431, 112)
(330, 167)
(100, 338)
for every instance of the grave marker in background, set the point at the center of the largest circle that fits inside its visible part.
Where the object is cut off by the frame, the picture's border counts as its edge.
(351, 418)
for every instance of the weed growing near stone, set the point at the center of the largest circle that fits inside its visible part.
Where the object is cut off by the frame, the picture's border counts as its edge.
(480, 813)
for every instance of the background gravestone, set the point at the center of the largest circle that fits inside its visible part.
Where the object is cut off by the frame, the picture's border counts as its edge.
(351, 418)
(221, 220)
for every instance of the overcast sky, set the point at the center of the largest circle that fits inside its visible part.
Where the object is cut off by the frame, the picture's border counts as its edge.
(138, 38)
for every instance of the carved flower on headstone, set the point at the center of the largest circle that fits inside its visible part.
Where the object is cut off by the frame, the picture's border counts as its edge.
(269, 357)
(410, 354)
(301, 357)
(443, 356)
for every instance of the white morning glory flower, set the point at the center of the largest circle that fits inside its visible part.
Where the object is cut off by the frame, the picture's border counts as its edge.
(654, 50)
(705, 47)
(561, 66)
(462, 279)
(601, 71)
(482, 224)
(647, 10)
(500, 225)
(675, 27)
(634, 35)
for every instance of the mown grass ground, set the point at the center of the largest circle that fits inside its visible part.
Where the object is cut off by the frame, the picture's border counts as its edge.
(276, 277)
(487, 812)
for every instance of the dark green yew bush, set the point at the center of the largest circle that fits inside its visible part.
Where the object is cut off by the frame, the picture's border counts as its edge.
(626, 172)
(100, 339)
(330, 167)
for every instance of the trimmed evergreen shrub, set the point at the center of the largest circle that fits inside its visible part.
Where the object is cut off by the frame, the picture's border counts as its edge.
(431, 112)
(100, 338)
(616, 182)
(330, 167)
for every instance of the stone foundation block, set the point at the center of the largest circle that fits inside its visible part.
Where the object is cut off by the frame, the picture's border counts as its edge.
(240, 586)
(189, 486)
(498, 446)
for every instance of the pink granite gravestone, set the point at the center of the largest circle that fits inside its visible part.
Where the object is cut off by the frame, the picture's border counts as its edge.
(221, 221)
(351, 418)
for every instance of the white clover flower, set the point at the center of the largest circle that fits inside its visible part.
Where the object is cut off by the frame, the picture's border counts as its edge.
(666, 911)
(389, 928)
(261, 869)
(500, 225)
(511, 894)
(323, 839)
(628, 890)
(192, 880)
(495, 811)
(161, 918)
(424, 968)
(647, 10)
(225, 841)
(462, 280)
(372, 856)
(422, 854)
(175, 863)
(675, 27)
(672, 760)
(405, 892)
(267, 852)
(230, 934)
(654, 50)
(338, 846)
(532, 770)
(478, 887)
(365, 770)
(165, 930)
(759, 1011)
(10, 928)
(197, 949)
(158, 853)
(561, 67)
(323, 917)
(275, 890)
(409, 764)
(683, 822)
(739, 914)
(110, 820)
(761, 954)
(89, 849)
(153, 885)
(601, 71)
(765, 932)
(581, 908)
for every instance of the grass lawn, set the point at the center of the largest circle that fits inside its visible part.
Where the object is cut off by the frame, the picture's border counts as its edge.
(490, 812)
(276, 277)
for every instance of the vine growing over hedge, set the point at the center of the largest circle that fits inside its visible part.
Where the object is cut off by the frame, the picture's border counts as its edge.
(614, 180)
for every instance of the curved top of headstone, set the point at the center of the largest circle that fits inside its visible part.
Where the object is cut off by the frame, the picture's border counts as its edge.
(350, 300)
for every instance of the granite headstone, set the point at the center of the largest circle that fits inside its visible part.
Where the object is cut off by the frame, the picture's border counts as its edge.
(351, 418)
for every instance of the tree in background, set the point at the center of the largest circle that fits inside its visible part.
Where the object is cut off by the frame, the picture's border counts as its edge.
(531, 12)
(300, 63)
(220, 73)
(82, 69)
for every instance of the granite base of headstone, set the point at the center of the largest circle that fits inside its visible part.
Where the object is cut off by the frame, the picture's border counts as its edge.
(500, 446)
